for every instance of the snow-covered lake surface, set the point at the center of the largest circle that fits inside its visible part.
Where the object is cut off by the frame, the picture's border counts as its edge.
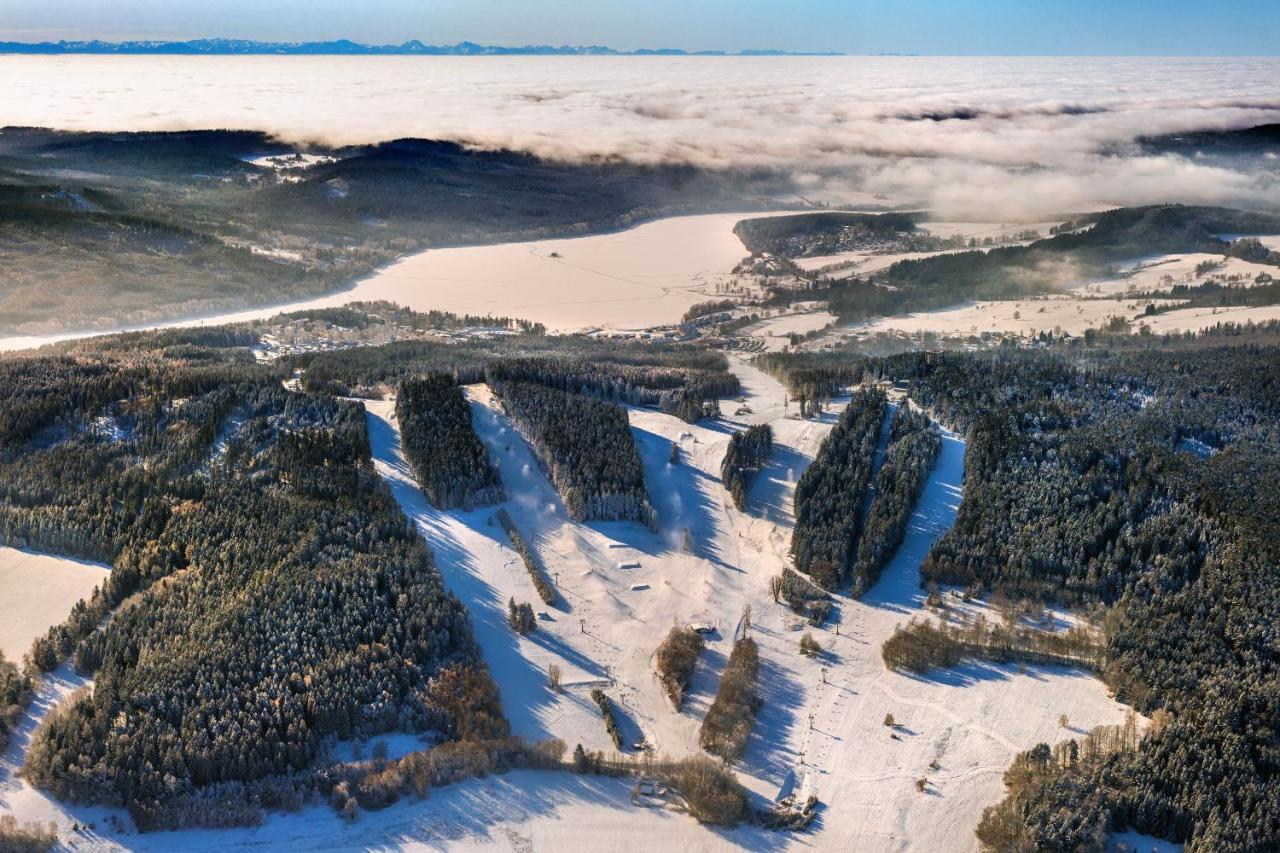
(37, 591)
(644, 276)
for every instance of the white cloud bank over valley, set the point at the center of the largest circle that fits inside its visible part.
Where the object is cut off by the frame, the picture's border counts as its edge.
(965, 135)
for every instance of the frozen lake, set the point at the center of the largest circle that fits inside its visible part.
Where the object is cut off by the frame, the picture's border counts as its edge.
(645, 276)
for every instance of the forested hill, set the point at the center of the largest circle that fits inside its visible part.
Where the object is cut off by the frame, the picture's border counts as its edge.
(819, 233)
(1142, 481)
(278, 599)
(1079, 251)
(1252, 146)
(680, 380)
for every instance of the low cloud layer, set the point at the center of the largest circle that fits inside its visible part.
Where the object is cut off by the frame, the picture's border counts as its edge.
(992, 137)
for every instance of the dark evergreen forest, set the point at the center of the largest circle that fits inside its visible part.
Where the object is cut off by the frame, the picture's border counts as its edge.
(913, 446)
(276, 597)
(1142, 479)
(448, 459)
(831, 495)
(587, 449)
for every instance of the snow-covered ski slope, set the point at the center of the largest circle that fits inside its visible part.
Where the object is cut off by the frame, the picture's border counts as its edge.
(825, 737)
(828, 738)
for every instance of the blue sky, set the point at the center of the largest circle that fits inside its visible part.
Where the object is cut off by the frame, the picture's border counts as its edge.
(1142, 27)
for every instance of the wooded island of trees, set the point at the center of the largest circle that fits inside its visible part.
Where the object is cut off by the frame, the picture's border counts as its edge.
(913, 446)
(830, 495)
(448, 459)
(586, 447)
(746, 454)
(732, 714)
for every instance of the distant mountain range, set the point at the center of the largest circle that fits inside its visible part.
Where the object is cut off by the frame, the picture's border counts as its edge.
(345, 47)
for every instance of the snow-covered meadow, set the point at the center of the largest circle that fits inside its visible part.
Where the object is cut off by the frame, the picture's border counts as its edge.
(37, 592)
(1089, 304)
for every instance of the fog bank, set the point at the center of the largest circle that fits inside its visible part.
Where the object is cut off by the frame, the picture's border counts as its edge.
(964, 135)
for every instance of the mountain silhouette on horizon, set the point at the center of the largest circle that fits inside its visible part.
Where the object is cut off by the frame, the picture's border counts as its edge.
(346, 47)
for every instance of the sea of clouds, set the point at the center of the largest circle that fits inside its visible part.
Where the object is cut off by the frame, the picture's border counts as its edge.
(994, 136)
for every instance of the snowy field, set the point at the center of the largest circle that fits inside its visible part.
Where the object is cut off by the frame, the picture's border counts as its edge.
(864, 263)
(37, 592)
(1016, 316)
(1086, 305)
(288, 160)
(1197, 319)
(1069, 313)
(1089, 305)
(982, 230)
(1162, 272)
(776, 331)
(28, 804)
(844, 264)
